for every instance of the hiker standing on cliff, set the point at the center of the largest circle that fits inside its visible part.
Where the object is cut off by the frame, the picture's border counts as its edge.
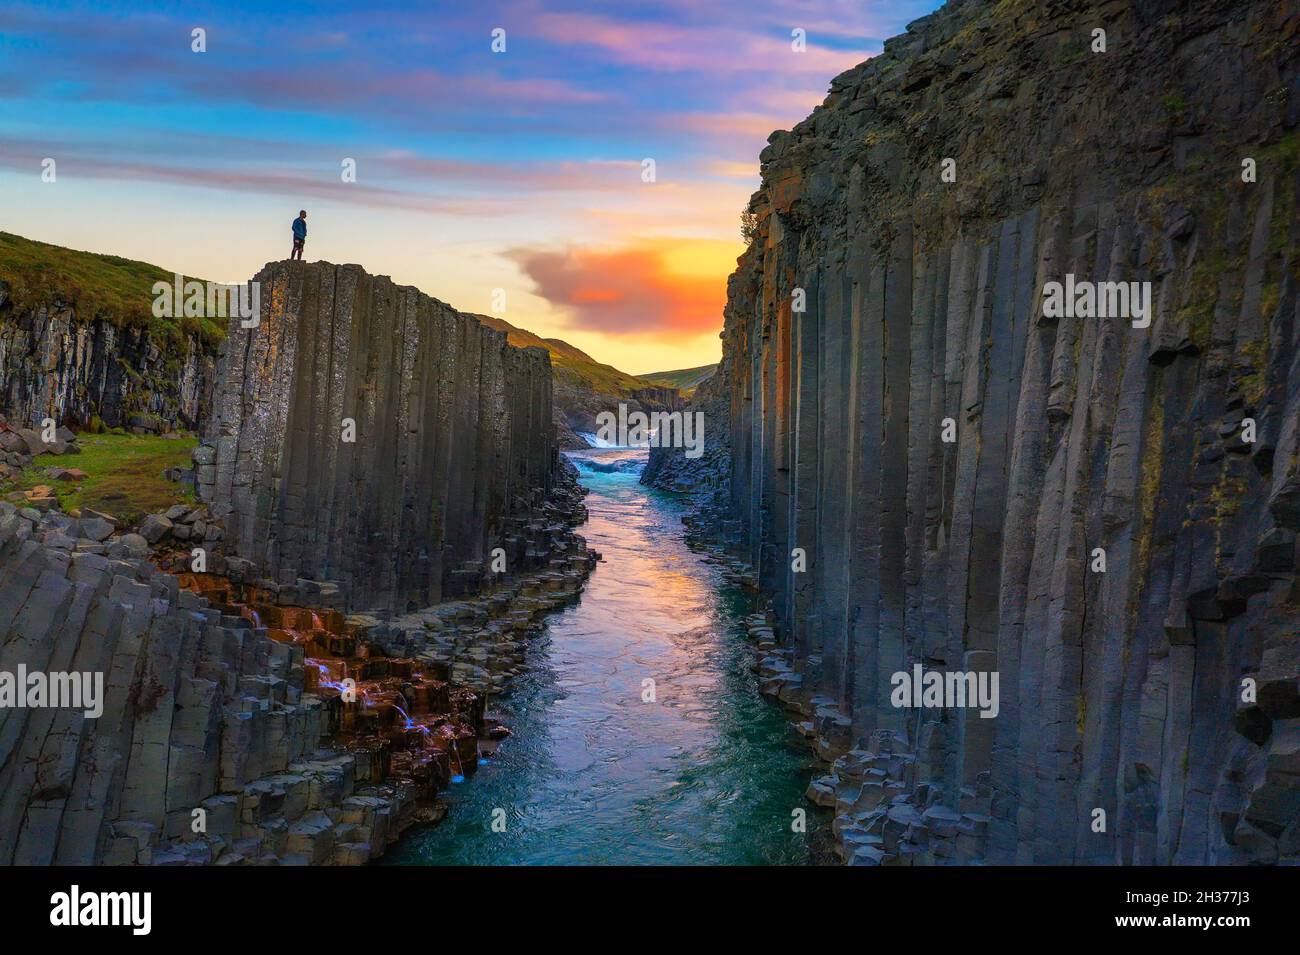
(299, 234)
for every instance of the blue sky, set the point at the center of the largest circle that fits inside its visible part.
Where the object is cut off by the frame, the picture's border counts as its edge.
(476, 170)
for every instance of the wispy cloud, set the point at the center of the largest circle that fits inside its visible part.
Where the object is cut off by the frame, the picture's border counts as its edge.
(536, 151)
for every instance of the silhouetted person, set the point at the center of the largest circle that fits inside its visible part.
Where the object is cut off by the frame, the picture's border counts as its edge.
(299, 234)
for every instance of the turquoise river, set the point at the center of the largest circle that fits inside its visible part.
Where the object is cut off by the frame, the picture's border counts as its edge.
(709, 773)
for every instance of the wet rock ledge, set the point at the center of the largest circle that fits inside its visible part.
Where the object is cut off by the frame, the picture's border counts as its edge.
(227, 734)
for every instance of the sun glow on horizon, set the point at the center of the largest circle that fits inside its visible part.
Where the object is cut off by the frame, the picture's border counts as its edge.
(475, 170)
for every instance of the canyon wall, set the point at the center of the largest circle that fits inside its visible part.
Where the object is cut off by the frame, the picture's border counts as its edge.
(453, 439)
(1103, 514)
(199, 711)
(54, 363)
(706, 477)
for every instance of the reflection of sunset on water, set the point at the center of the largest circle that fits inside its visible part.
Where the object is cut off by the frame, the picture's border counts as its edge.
(594, 774)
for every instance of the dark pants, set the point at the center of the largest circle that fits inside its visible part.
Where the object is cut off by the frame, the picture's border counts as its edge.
(297, 248)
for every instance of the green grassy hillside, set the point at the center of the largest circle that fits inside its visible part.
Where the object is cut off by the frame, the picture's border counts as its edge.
(107, 287)
(686, 380)
(583, 386)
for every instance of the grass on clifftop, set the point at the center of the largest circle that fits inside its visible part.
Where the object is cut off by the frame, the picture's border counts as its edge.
(108, 287)
(685, 380)
(123, 474)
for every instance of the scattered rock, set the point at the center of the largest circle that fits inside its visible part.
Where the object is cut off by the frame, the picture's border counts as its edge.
(154, 527)
(96, 529)
(134, 544)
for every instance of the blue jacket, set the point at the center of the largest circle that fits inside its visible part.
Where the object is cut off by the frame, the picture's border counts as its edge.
(300, 228)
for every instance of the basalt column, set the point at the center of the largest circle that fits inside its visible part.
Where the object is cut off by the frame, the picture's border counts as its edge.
(367, 434)
(1100, 509)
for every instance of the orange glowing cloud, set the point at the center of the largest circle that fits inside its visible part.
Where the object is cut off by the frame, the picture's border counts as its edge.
(651, 287)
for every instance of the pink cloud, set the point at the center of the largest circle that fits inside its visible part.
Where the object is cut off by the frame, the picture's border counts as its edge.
(711, 49)
(628, 291)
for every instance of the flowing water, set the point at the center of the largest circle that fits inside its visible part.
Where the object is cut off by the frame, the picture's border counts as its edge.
(709, 773)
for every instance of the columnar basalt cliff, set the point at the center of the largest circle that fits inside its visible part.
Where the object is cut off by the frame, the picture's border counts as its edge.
(81, 370)
(226, 731)
(147, 718)
(194, 702)
(453, 439)
(1112, 526)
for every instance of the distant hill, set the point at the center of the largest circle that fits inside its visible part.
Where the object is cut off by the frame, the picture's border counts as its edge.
(584, 387)
(685, 380)
(581, 366)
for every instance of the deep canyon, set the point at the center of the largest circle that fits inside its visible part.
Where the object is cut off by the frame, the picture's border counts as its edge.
(417, 600)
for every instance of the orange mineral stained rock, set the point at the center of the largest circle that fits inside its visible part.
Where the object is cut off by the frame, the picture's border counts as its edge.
(398, 719)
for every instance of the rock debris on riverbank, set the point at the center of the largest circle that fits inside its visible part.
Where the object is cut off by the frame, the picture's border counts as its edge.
(212, 713)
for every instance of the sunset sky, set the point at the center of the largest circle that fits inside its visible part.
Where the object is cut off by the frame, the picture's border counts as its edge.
(475, 170)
